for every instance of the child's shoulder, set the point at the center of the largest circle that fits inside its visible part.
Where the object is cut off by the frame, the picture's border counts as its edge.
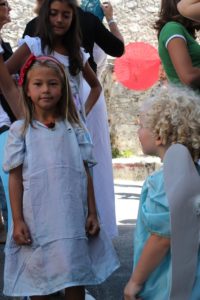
(155, 181)
(17, 125)
(17, 129)
(172, 28)
(156, 175)
(172, 25)
(154, 188)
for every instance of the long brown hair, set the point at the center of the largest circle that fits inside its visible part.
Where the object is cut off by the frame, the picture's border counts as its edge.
(169, 12)
(65, 107)
(71, 39)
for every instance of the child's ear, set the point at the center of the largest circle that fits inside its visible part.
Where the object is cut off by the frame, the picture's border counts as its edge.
(158, 141)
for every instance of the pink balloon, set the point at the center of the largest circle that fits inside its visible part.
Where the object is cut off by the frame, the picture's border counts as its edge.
(138, 68)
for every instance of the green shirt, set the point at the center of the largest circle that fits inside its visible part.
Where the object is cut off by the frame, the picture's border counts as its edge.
(168, 32)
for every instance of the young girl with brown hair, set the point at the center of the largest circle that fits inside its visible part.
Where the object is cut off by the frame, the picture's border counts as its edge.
(55, 242)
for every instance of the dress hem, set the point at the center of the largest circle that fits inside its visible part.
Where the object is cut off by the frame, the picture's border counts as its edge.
(62, 286)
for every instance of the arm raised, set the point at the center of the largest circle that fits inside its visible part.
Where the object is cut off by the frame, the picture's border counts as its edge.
(190, 9)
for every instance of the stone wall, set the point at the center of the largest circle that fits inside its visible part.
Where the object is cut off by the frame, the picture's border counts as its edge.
(135, 20)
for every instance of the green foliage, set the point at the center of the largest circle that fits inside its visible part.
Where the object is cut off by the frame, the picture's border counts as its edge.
(115, 153)
(125, 153)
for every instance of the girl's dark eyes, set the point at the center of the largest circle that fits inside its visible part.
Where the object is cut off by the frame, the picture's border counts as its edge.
(50, 83)
(54, 13)
(53, 83)
(4, 4)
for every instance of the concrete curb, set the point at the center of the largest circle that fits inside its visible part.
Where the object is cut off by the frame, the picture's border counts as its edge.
(135, 168)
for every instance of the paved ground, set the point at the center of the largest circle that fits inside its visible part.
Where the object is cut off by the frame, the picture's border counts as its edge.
(126, 199)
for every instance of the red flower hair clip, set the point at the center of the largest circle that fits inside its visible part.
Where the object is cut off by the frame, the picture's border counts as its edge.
(31, 59)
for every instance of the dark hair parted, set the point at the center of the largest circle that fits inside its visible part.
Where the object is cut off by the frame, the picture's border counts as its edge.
(65, 108)
(169, 12)
(71, 40)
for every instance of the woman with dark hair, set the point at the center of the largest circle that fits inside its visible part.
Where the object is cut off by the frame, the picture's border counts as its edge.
(178, 49)
(58, 35)
(92, 31)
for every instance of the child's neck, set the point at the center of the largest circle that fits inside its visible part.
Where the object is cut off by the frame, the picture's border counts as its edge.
(46, 118)
(59, 48)
(161, 151)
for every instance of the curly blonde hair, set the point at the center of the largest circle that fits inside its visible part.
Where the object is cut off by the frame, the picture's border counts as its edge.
(173, 115)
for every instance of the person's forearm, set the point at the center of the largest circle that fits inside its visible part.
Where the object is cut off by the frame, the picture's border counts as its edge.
(10, 90)
(153, 253)
(90, 192)
(108, 12)
(95, 87)
(190, 9)
(195, 83)
(92, 99)
(16, 193)
(192, 78)
(115, 30)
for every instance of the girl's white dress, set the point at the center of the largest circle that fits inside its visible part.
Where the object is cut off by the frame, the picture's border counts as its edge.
(55, 210)
(97, 124)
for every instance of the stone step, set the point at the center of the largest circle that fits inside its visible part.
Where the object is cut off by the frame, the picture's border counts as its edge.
(135, 168)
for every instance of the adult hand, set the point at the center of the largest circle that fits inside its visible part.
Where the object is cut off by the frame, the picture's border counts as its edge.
(131, 290)
(21, 233)
(108, 10)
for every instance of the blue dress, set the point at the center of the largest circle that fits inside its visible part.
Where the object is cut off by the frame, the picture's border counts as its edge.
(154, 218)
(55, 210)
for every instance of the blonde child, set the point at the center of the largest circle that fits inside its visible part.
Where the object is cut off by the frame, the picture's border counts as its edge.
(55, 242)
(169, 123)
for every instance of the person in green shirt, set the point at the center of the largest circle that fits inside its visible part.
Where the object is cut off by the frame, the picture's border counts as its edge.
(177, 46)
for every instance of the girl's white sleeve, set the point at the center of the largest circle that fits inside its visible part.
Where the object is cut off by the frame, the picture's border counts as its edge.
(34, 44)
(1, 50)
(14, 151)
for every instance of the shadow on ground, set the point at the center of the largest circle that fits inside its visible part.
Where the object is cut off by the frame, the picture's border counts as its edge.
(124, 191)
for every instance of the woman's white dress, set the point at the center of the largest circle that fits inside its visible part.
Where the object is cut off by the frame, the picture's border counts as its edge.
(97, 124)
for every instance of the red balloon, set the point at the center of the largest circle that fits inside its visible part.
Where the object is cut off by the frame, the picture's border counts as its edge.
(138, 68)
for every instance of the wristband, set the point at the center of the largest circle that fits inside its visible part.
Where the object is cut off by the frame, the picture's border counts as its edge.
(111, 21)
